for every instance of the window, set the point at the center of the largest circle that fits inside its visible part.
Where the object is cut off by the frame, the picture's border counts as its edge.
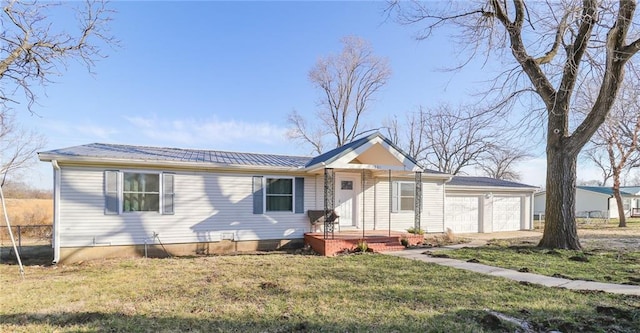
(403, 196)
(141, 192)
(407, 196)
(626, 204)
(346, 185)
(279, 195)
(138, 192)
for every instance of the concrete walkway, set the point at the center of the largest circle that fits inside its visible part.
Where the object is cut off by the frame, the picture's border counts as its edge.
(417, 254)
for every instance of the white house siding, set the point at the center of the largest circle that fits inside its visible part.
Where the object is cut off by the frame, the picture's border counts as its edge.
(207, 206)
(613, 206)
(367, 196)
(539, 203)
(433, 206)
(587, 201)
(431, 218)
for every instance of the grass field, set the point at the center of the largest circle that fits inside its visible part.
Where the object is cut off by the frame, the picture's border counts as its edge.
(610, 254)
(292, 293)
(29, 211)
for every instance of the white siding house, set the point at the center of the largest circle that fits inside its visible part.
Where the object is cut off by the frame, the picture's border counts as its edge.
(114, 200)
(597, 201)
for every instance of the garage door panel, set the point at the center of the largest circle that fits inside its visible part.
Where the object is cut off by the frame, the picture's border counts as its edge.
(462, 214)
(506, 213)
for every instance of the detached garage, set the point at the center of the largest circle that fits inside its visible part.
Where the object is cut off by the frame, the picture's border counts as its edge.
(482, 204)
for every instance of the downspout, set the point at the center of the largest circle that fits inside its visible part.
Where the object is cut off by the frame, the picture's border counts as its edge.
(56, 211)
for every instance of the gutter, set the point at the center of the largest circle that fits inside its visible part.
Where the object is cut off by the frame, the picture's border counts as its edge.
(96, 161)
(56, 211)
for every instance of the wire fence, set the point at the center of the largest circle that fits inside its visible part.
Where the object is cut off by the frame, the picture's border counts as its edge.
(33, 242)
(27, 235)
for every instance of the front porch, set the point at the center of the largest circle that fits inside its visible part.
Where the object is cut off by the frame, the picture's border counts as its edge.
(378, 241)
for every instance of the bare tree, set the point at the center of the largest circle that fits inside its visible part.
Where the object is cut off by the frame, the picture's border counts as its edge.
(18, 146)
(597, 157)
(617, 138)
(348, 82)
(456, 137)
(550, 50)
(409, 135)
(33, 48)
(500, 160)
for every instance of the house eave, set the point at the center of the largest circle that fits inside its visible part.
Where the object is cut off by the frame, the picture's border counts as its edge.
(95, 161)
(462, 188)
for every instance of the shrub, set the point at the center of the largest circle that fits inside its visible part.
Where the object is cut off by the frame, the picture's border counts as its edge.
(404, 242)
(362, 246)
(415, 231)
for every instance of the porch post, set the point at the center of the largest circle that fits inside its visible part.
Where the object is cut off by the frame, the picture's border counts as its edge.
(329, 200)
(418, 200)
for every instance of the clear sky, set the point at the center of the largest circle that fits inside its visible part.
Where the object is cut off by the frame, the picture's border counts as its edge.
(225, 75)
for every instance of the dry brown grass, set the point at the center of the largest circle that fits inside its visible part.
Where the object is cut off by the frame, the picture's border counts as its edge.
(29, 211)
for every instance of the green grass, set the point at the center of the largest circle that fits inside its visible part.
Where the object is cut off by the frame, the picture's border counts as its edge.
(291, 293)
(595, 264)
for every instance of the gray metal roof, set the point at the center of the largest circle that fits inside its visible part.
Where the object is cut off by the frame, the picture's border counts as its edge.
(624, 190)
(159, 154)
(335, 154)
(485, 181)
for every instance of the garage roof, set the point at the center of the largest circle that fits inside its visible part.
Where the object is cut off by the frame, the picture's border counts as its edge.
(485, 182)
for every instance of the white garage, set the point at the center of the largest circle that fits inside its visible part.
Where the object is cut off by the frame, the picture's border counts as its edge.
(480, 204)
(462, 214)
(507, 215)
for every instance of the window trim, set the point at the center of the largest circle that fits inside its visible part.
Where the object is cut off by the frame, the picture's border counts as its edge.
(161, 193)
(400, 196)
(265, 195)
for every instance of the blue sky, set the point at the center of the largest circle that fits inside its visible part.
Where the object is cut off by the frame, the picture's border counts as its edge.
(225, 75)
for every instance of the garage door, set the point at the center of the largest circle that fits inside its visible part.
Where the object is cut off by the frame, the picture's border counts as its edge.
(462, 214)
(506, 213)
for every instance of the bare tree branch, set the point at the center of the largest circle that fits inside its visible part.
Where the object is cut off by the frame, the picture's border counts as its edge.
(32, 50)
(594, 36)
(348, 83)
(18, 146)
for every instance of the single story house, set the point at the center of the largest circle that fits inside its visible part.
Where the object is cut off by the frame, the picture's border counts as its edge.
(597, 201)
(114, 200)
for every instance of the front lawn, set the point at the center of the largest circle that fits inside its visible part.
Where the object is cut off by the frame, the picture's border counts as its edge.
(293, 293)
(598, 261)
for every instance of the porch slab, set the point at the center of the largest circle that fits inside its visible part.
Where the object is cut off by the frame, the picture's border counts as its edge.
(377, 241)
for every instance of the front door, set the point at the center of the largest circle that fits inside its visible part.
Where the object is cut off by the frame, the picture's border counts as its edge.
(346, 200)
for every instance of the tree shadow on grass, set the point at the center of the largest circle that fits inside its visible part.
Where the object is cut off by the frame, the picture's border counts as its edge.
(540, 320)
(31, 255)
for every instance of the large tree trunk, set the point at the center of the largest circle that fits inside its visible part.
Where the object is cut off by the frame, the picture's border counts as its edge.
(619, 203)
(560, 230)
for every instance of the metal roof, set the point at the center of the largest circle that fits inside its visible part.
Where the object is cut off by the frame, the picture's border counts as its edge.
(159, 154)
(485, 181)
(624, 190)
(335, 154)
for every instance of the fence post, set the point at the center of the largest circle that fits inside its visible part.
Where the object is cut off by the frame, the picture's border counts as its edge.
(19, 238)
